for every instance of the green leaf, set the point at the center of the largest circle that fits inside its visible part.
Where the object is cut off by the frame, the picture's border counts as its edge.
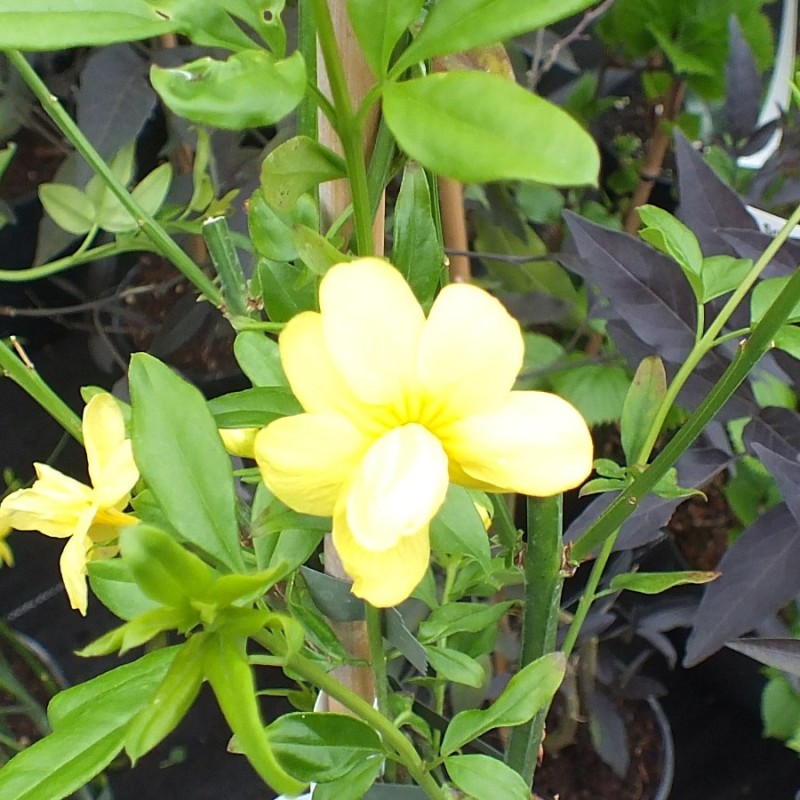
(764, 295)
(602, 485)
(456, 617)
(597, 391)
(285, 293)
(354, 785)
(780, 709)
(379, 26)
(272, 233)
(609, 469)
(168, 705)
(225, 665)
(254, 407)
(451, 665)
(68, 206)
(788, 339)
(668, 487)
(163, 569)
(672, 237)
(150, 193)
(417, 251)
(182, 459)
(260, 359)
(453, 26)
(722, 274)
(113, 583)
(486, 778)
(477, 127)
(657, 582)
(322, 747)
(141, 630)
(527, 693)
(45, 25)
(248, 90)
(457, 529)
(89, 724)
(316, 252)
(295, 167)
(646, 392)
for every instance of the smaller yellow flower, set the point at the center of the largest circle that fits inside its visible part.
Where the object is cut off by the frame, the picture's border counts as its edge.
(239, 441)
(6, 555)
(88, 516)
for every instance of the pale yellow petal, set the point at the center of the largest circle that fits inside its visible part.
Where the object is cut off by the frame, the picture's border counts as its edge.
(372, 323)
(536, 444)
(470, 351)
(103, 432)
(383, 578)
(313, 376)
(53, 505)
(239, 441)
(398, 487)
(305, 460)
(73, 563)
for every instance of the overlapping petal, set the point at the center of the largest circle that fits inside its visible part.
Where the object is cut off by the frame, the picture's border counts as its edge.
(387, 577)
(73, 562)
(372, 323)
(470, 351)
(305, 460)
(535, 443)
(399, 485)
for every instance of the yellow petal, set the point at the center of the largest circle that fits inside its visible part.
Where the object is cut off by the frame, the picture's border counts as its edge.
(54, 504)
(536, 444)
(399, 486)
(305, 460)
(383, 578)
(239, 441)
(112, 469)
(313, 376)
(470, 351)
(372, 323)
(73, 563)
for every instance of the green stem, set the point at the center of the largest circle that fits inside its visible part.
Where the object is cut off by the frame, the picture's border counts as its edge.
(543, 582)
(160, 238)
(349, 130)
(28, 379)
(307, 45)
(748, 355)
(393, 738)
(377, 657)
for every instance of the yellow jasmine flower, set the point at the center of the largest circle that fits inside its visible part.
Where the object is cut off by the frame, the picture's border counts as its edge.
(6, 555)
(396, 406)
(88, 516)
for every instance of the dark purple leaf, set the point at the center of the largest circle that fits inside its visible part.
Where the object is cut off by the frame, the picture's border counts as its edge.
(743, 95)
(776, 429)
(706, 202)
(640, 687)
(787, 475)
(643, 287)
(609, 736)
(535, 308)
(701, 381)
(783, 654)
(695, 469)
(790, 365)
(760, 574)
(759, 138)
(751, 244)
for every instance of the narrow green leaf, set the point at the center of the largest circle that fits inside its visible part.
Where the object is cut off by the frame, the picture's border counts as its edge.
(316, 252)
(527, 693)
(182, 459)
(486, 778)
(417, 251)
(763, 296)
(225, 665)
(248, 90)
(458, 529)
(657, 582)
(284, 289)
(296, 167)
(68, 206)
(114, 585)
(669, 235)
(354, 785)
(788, 339)
(457, 617)
(646, 392)
(254, 407)
(452, 665)
(150, 193)
(379, 26)
(45, 25)
(477, 127)
(321, 747)
(453, 26)
(722, 274)
(259, 358)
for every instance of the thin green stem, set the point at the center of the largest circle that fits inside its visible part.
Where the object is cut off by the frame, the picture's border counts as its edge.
(543, 582)
(377, 657)
(307, 45)
(24, 374)
(160, 238)
(393, 738)
(349, 129)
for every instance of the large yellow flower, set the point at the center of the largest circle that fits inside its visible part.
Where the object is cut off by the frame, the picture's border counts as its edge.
(88, 516)
(396, 407)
